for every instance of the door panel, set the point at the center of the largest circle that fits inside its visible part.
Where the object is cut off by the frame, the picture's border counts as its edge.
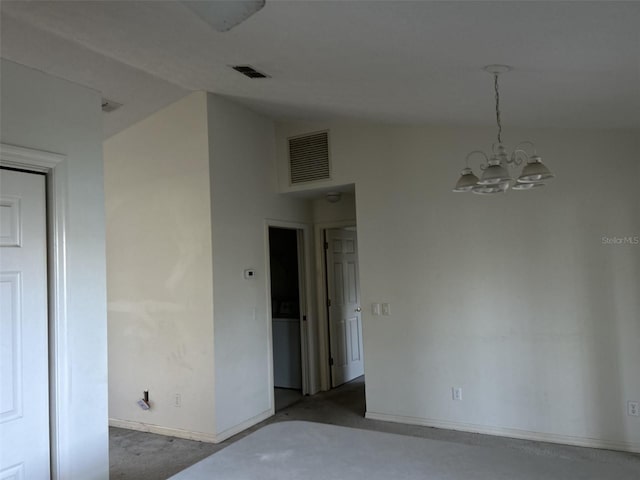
(24, 367)
(352, 293)
(340, 359)
(11, 351)
(354, 338)
(345, 321)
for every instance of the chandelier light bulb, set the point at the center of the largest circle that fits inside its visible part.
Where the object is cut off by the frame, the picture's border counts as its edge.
(527, 186)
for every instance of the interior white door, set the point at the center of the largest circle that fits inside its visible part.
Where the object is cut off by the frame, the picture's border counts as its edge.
(24, 366)
(345, 320)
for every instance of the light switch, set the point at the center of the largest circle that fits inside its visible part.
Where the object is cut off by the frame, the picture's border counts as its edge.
(386, 309)
(375, 309)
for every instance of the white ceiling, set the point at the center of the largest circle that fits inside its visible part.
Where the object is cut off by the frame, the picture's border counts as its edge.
(577, 64)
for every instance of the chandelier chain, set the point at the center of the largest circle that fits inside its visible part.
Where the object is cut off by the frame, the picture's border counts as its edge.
(495, 84)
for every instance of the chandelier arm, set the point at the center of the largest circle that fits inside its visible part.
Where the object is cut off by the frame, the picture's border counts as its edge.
(479, 152)
(520, 154)
(520, 146)
(518, 157)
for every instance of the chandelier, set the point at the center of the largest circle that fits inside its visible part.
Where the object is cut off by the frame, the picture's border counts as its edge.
(495, 176)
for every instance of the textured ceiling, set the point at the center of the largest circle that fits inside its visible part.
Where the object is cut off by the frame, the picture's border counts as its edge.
(577, 64)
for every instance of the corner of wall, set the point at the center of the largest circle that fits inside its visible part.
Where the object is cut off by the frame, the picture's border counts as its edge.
(157, 185)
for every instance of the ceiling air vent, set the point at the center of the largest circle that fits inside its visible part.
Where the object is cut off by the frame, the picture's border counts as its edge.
(109, 105)
(309, 157)
(249, 71)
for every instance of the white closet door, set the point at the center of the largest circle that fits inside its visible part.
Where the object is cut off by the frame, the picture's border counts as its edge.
(24, 365)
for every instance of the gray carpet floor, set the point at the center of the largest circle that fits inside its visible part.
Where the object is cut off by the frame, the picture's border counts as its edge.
(145, 456)
(285, 397)
(315, 451)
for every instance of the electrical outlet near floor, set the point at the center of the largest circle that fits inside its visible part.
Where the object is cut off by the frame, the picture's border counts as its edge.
(456, 393)
(633, 409)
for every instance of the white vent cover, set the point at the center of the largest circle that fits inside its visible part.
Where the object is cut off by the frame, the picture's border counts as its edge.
(309, 158)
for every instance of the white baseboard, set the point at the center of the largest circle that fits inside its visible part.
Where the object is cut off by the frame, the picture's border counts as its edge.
(509, 432)
(230, 432)
(171, 432)
(190, 435)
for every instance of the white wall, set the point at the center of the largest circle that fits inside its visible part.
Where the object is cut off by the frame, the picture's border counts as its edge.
(514, 297)
(243, 185)
(159, 272)
(188, 192)
(46, 113)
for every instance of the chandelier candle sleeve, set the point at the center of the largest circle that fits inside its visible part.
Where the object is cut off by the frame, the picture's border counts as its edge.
(495, 176)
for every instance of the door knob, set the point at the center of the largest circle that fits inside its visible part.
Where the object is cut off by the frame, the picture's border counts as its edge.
(358, 309)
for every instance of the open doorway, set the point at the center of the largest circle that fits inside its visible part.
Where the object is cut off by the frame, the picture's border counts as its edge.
(340, 335)
(286, 275)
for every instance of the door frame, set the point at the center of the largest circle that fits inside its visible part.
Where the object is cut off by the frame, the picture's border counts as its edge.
(324, 350)
(54, 166)
(307, 328)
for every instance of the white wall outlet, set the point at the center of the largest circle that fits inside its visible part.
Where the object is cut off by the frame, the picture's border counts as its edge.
(386, 309)
(633, 409)
(375, 309)
(178, 400)
(456, 393)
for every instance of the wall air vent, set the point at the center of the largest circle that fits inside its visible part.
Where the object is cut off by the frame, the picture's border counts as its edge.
(249, 71)
(309, 158)
(109, 105)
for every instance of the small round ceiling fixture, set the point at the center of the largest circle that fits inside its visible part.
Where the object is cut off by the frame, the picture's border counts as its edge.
(333, 197)
(497, 69)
